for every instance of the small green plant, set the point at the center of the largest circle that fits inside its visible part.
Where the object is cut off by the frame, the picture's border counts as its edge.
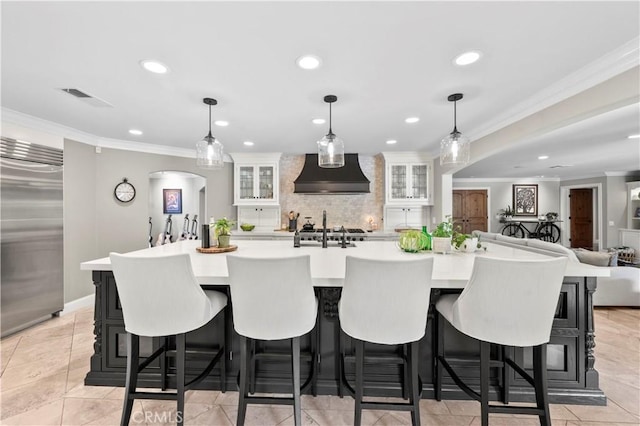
(444, 229)
(458, 239)
(223, 226)
(508, 211)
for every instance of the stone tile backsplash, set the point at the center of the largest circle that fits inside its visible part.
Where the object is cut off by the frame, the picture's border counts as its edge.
(350, 210)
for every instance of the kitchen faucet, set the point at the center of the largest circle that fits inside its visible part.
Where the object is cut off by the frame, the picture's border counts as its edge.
(324, 229)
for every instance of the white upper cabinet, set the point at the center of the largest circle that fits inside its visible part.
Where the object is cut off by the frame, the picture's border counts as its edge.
(408, 178)
(255, 179)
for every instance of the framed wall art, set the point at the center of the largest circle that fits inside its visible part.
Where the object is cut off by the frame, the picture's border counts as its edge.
(172, 201)
(525, 200)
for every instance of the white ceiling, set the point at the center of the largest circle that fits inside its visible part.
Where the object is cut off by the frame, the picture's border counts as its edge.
(385, 61)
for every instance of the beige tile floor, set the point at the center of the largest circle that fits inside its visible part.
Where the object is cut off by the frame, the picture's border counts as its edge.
(42, 371)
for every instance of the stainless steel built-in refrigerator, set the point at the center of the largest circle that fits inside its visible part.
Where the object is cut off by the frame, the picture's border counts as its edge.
(31, 241)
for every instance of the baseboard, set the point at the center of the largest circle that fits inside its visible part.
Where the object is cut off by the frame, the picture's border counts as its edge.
(80, 303)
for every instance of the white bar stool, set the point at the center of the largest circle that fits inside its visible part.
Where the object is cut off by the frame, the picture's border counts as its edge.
(271, 299)
(509, 303)
(160, 296)
(386, 302)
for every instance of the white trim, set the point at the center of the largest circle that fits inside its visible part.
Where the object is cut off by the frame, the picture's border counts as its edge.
(565, 226)
(25, 120)
(511, 179)
(606, 67)
(630, 173)
(74, 305)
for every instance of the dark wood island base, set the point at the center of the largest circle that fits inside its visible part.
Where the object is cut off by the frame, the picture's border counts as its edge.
(572, 378)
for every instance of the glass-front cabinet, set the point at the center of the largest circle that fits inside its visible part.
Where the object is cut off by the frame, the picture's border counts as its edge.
(409, 178)
(256, 178)
(256, 183)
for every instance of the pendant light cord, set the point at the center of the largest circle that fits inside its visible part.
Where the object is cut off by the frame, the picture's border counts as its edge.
(210, 135)
(455, 125)
(330, 131)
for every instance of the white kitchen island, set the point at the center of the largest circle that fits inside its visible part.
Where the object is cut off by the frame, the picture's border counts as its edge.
(572, 376)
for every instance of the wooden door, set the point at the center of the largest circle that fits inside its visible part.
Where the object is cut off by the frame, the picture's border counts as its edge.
(581, 218)
(470, 209)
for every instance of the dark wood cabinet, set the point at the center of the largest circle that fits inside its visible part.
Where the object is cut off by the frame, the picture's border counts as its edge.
(572, 376)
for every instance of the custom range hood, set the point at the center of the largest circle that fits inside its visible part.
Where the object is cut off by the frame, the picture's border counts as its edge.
(347, 179)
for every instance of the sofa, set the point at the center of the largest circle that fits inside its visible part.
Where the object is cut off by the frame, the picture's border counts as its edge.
(621, 288)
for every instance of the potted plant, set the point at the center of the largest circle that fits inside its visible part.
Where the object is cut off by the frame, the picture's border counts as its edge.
(441, 237)
(465, 242)
(222, 231)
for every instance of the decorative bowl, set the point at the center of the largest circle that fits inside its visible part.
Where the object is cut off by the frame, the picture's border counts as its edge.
(247, 227)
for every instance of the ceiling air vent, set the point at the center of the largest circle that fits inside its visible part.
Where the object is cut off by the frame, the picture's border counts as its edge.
(85, 97)
(560, 166)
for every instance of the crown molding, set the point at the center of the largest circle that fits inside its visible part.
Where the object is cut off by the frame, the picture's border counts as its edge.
(606, 67)
(28, 121)
(519, 180)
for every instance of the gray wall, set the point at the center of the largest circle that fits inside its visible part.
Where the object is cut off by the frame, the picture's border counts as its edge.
(96, 224)
(501, 195)
(80, 230)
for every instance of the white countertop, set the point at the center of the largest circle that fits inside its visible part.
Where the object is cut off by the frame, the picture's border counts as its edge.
(328, 265)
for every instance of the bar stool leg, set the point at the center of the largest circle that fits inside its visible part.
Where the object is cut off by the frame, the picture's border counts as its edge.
(163, 364)
(315, 358)
(439, 352)
(540, 381)
(223, 359)
(405, 372)
(484, 382)
(413, 383)
(506, 373)
(339, 357)
(133, 355)
(252, 370)
(359, 347)
(180, 371)
(295, 367)
(244, 364)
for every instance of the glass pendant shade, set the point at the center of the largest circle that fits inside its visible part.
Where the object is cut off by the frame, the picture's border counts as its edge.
(209, 153)
(455, 149)
(330, 152)
(330, 147)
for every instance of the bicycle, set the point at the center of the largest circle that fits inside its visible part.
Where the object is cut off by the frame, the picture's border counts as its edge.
(545, 231)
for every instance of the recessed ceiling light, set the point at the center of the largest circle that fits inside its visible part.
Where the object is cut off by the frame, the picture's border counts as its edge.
(392, 142)
(135, 132)
(633, 136)
(154, 66)
(308, 62)
(221, 123)
(247, 143)
(412, 120)
(467, 58)
(318, 121)
(543, 157)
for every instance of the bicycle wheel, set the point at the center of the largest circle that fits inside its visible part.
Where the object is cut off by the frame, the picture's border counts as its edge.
(549, 232)
(513, 230)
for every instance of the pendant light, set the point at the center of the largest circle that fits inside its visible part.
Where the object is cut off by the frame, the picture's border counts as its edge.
(455, 148)
(330, 147)
(209, 151)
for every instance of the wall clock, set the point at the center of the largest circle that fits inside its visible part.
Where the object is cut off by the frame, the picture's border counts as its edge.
(124, 191)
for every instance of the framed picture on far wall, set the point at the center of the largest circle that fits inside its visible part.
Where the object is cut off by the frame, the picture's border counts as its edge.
(172, 201)
(525, 200)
